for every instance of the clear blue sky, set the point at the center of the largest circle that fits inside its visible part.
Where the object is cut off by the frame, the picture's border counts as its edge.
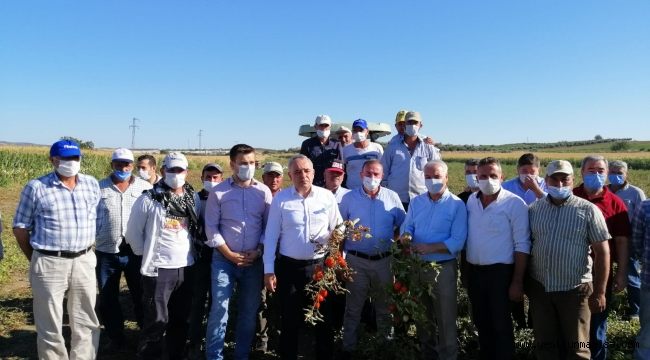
(480, 72)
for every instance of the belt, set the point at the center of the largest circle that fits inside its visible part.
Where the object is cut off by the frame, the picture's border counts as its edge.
(368, 257)
(445, 261)
(65, 254)
(298, 261)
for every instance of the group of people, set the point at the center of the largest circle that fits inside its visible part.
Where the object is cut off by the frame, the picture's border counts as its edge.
(187, 255)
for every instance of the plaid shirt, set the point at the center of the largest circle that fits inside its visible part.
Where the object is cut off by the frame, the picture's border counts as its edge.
(59, 219)
(114, 210)
(641, 239)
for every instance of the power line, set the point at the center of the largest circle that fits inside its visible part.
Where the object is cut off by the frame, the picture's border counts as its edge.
(133, 126)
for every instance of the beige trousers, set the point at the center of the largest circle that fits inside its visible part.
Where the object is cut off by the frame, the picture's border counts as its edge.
(51, 277)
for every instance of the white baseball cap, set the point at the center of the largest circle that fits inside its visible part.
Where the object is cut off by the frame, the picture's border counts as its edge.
(122, 154)
(323, 119)
(175, 159)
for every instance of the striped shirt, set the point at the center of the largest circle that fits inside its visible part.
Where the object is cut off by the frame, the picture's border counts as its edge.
(398, 161)
(641, 239)
(354, 157)
(561, 238)
(441, 221)
(382, 215)
(114, 210)
(59, 219)
(236, 216)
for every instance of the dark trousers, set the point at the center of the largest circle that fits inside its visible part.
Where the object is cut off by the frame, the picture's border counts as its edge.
(488, 291)
(166, 300)
(200, 294)
(293, 276)
(598, 326)
(109, 271)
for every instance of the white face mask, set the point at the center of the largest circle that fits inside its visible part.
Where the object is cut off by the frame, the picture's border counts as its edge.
(175, 181)
(371, 184)
(412, 130)
(68, 168)
(245, 172)
(471, 180)
(144, 174)
(359, 136)
(489, 186)
(434, 186)
(209, 185)
(523, 177)
(323, 133)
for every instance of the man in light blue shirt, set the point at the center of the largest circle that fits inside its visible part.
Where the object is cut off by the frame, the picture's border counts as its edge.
(235, 217)
(528, 185)
(381, 210)
(437, 221)
(404, 160)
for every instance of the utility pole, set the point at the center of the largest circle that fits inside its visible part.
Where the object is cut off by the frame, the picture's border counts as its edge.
(200, 134)
(133, 126)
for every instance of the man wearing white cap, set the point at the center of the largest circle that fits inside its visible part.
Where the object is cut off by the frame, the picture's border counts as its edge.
(344, 135)
(163, 226)
(119, 190)
(561, 288)
(321, 149)
(272, 176)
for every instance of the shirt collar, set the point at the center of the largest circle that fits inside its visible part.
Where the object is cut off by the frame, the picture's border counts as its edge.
(445, 196)
(232, 183)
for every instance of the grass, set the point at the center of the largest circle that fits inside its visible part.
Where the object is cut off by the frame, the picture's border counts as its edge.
(18, 165)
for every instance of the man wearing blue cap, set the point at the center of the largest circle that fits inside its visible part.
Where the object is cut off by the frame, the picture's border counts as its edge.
(55, 228)
(357, 153)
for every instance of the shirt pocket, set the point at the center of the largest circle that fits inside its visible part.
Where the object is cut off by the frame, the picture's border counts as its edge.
(420, 162)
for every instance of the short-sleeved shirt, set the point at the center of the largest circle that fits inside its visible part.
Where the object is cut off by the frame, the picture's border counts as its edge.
(114, 210)
(321, 155)
(561, 237)
(615, 213)
(382, 214)
(59, 219)
(354, 158)
(403, 171)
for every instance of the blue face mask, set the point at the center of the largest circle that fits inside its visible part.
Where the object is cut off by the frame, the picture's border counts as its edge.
(559, 192)
(616, 179)
(121, 175)
(594, 181)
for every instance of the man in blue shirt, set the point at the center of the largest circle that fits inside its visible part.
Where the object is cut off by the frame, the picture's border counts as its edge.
(381, 210)
(528, 185)
(437, 221)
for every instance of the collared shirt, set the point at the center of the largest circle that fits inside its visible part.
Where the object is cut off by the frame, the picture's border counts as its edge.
(561, 237)
(58, 218)
(441, 221)
(515, 186)
(615, 212)
(641, 239)
(354, 157)
(382, 215)
(339, 193)
(297, 223)
(497, 231)
(403, 171)
(321, 155)
(632, 196)
(236, 216)
(114, 210)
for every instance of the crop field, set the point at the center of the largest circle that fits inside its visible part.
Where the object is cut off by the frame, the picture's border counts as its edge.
(19, 164)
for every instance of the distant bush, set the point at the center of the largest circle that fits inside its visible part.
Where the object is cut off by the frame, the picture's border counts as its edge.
(620, 146)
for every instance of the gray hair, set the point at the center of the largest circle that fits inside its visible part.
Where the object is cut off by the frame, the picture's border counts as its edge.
(440, 163)
(298, 157)
(590, 158)
(618, 164)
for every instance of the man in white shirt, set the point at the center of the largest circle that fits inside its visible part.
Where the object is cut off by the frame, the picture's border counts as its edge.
(334, 178)
(498, 244)
(162, 228)
(357, 153)
(301, 217)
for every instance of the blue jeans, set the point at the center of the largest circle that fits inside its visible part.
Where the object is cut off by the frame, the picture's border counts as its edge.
(249, 291)
(642, 352)
(109, 270)
(633, 286)
(598, 328)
